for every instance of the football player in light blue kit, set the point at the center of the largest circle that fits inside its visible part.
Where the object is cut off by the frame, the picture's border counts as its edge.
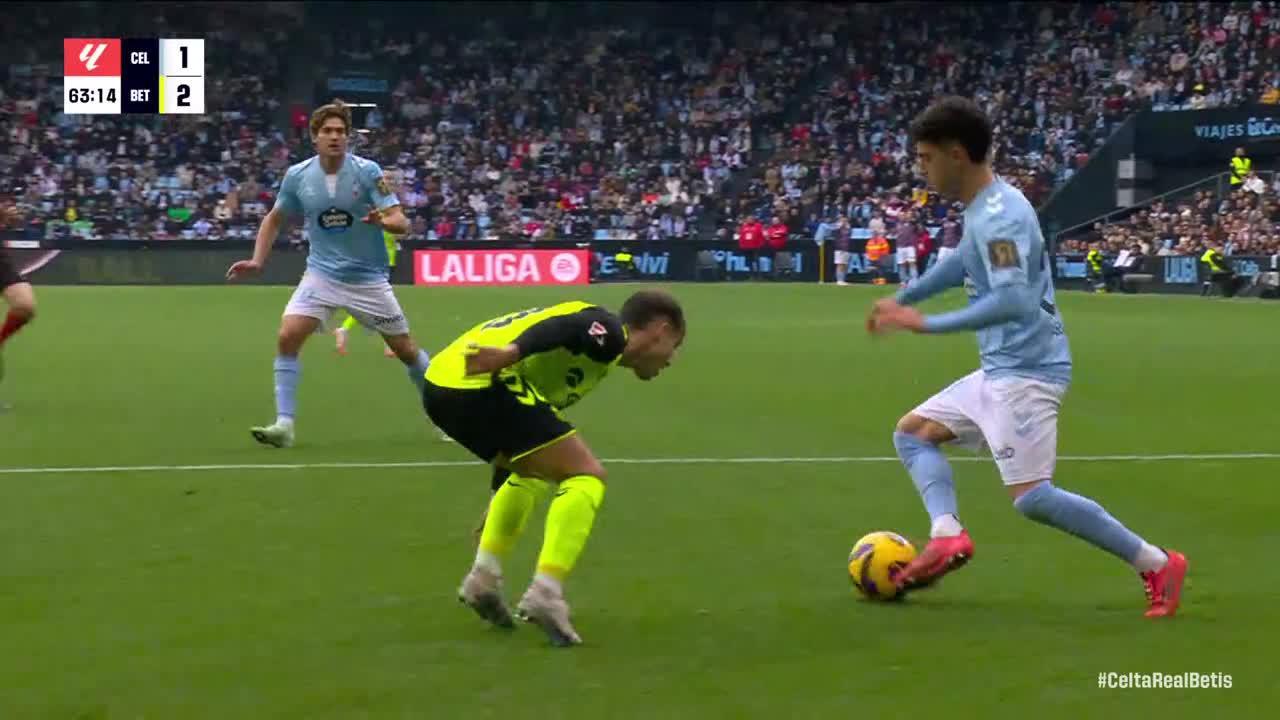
(346, 204)
(1011, 404)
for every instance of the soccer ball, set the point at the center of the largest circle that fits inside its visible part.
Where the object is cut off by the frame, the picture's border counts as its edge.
(874, 559)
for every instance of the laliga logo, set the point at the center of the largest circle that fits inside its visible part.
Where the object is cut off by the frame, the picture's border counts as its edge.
(565, 267)
(89, 54)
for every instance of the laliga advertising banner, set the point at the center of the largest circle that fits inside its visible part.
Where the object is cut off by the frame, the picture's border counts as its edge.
(501, 267)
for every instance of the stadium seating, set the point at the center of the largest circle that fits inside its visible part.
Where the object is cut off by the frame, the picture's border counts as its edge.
(560, 125)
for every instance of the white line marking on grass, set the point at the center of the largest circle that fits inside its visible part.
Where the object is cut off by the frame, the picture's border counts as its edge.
(427, 464)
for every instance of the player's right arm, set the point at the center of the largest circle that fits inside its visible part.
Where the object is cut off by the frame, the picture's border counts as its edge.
(593, 332)
(287, 203)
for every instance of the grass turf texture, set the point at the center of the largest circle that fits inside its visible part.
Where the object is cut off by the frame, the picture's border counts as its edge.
(707, 590)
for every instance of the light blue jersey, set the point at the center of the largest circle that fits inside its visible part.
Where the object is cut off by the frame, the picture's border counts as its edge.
(1003, 263)
(343, 246)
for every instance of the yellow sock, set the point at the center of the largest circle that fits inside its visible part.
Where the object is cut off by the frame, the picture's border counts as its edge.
(509, 510)
(350, 323)
(569, 521)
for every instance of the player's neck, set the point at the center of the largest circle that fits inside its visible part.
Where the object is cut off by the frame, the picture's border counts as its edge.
(976, 182)
(331, 165)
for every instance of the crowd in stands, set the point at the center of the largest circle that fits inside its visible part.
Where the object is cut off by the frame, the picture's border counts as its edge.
(563, 126)
(1244, 221)
(146, 177)
(1057, 78)
(558, 132)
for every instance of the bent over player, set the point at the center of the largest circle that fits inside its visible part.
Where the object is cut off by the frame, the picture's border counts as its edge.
(346, 204)
(499, 390)
(1011, 404)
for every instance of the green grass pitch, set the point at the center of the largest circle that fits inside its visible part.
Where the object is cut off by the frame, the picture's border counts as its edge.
(709, 590)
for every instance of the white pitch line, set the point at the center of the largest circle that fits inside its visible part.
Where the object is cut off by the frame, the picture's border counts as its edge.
(1180, 457)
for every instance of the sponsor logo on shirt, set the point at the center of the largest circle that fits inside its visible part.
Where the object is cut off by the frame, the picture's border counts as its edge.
(334, 219)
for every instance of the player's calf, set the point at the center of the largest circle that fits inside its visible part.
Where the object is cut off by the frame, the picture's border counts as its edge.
(579, 480)
(415, 359)
(1162, 573)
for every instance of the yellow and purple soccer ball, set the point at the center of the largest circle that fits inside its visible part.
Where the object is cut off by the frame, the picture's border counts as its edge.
(875, 559)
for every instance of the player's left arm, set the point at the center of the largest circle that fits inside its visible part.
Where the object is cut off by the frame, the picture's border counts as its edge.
(944, 275)
(593, 331)
(1005, 250)
(387, 212)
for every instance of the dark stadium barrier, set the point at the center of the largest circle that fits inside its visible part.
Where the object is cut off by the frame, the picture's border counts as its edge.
(203, 263)
(161, 266)
(1189, 137)
(196, 263)
(1171, 274)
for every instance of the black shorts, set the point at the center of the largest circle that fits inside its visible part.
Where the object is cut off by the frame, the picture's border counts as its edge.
(502, 419)
(9, 274)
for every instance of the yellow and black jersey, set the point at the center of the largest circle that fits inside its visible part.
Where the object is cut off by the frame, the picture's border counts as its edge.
(1215, 260)
(1094, 258)
(565, 351)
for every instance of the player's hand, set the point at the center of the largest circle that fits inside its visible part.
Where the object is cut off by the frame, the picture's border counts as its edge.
(896, 317)
(374, 217)
(883, 305)
(485, 360)
(11, 215)
(244, 268)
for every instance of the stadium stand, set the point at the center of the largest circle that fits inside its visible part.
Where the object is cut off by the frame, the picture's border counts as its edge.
(548, 122)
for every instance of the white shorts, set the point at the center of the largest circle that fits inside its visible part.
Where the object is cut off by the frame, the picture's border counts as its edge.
(373, 306)
(943, 252)
(843, 257)
(907, 254)
(1015, 418)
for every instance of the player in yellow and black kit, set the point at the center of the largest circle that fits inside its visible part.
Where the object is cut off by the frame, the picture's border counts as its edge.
(500, 389)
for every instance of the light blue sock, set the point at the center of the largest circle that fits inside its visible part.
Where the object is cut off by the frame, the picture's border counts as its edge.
(287, 369)
(1081, 517)
(931, 473)
(419, 368)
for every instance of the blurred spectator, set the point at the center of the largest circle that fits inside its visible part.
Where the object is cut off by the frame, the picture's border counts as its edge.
(1243, 222)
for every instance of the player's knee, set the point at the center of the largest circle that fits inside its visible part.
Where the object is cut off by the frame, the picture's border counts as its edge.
(24, 309)
(923, 429)
(289, 341)
(1017, 491)
(910, 424)
(589, 467)
(595, 469)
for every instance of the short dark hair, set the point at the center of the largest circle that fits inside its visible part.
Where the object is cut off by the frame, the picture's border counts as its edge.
(645, 306)
(955, 119)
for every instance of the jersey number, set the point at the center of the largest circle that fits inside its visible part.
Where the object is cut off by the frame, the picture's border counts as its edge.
(507, 320)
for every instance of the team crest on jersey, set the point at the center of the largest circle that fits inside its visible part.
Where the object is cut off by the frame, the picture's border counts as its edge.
(598, 332)
(1003, 254)
(335, 220)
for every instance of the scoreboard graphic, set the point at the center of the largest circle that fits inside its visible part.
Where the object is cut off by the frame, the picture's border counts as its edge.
(143, 76)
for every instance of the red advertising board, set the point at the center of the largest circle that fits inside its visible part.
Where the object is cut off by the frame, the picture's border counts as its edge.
(501, 267)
